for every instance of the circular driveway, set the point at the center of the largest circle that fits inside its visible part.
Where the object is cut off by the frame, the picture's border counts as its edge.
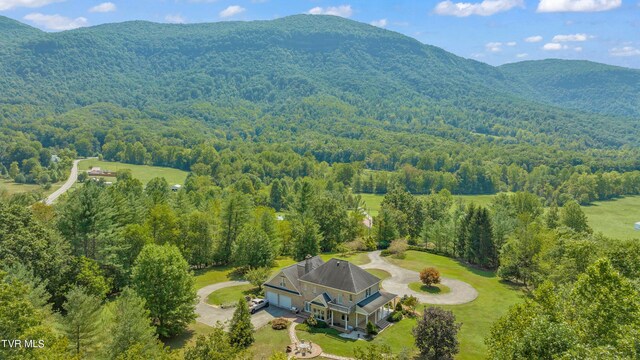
(398, 283)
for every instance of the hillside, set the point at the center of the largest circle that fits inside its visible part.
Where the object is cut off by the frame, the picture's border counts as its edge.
(581, 85)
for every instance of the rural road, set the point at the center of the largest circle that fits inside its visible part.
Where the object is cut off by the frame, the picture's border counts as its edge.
(66, 186)
(398, 283)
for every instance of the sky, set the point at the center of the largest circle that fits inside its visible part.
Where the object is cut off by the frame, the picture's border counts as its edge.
(491, 31)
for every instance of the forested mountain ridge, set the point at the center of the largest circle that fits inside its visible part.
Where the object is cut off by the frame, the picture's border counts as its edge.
(298, 65)
(582, 85)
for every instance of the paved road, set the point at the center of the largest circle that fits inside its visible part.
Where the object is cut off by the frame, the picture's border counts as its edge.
(66, 186)
(461, 292)
(210, 315)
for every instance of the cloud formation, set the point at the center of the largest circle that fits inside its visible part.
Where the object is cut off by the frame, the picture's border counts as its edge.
(380, 23)
(554, 47)
(577, 5)
(484, 8)
(571, 38)
(175, 19)
(103, 8)
(493, 46)
(56, 22)
(10, 4)
(624, 51)
(533, 39)
(342, 10)
(231, 11)
(522, 55)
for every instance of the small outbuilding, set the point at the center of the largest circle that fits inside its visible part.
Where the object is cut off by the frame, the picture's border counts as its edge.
(176, 187)
(637, 226)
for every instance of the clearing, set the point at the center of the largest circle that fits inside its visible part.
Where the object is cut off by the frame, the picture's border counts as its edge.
(144, 173)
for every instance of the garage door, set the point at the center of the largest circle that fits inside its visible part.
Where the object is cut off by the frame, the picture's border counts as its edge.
(273, 298)
(285, 302)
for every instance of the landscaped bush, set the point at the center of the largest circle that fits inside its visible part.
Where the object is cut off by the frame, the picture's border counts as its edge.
(311, 321)
(279, 324)
(430, 276)
(398, 248)
(372, 329)
(395, 316)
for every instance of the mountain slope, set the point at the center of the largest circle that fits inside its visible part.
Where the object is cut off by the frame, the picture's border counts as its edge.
(303, 68)
(582, 85)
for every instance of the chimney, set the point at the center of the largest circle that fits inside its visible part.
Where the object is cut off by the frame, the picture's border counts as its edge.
(307, 264)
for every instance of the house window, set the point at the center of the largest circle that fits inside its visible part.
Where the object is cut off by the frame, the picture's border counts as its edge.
(351, 297)
(344, 317)
(367, 293)
(306, 306)
(282, 282)
(339, 298)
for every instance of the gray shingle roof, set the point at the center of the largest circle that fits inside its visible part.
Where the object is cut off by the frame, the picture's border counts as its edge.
(341, 275)
(375, 301)
(295, 271)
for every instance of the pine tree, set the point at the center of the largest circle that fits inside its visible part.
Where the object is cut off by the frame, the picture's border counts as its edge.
(235, 213)
(240, 327)
(553, 218)
(83, 323)
(306, 238)
(275, 195)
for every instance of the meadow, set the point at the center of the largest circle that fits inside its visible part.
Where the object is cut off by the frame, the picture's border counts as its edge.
(615, 218)
(144, 173)
(373, 201)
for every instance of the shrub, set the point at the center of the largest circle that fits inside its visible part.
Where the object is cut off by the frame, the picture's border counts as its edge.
(279, 324)
(311, 321)
(395, 316)
(399, 306)
(430, 276)
(321, 324)
(372, 329)
(398, 248)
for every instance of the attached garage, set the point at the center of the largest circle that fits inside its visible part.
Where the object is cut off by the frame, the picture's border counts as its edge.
(279, 300)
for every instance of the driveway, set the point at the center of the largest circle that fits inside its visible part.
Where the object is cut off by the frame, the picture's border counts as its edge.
(210, 315)
(73, 176)
(461, 292)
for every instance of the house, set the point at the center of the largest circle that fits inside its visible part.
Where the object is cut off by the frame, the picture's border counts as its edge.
(97, 171)
(176, 187)
(337, 292)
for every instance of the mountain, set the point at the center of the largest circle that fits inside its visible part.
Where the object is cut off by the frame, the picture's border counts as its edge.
(303, 68)
(581, 85)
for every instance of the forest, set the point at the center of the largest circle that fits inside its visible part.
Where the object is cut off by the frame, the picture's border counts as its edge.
(282, 125)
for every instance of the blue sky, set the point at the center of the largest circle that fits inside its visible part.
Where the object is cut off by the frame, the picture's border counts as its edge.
(492, 31)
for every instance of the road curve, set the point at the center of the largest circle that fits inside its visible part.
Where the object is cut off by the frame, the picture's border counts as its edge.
(66, 186)
(398, 283)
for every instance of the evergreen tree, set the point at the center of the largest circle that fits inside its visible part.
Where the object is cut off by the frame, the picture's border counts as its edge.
(83, 324)
(275, 195)
(253, 248)
(385, 228)
(235, 214)
(215, 346)
(240, 327)
(306, 238)
(158, 191)
(552, 219)
(162, 277)
(131, 327)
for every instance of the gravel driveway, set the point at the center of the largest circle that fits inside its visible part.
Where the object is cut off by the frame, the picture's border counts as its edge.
(461, 292)
(209, 314)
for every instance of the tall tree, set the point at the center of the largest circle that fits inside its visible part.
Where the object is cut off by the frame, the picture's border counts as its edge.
(215, 346)
(333, 220)
(240, 327)
(253, 248)
(306, 238)
(436, 334)
(83, 324)
(235, 214)
(162, 277)
(574, 218)
(158, 191)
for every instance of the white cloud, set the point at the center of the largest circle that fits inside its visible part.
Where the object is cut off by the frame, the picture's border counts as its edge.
(484, 8)
(533, 39)
(342, 10)
(380, 23)
(554, 47)
(103, 8)
(10, 4)
(231, 11)
(512, 43)
(577, 5)
(175, 19)
(578, 48)
(571, 37)
(624, 51)
(56, 22)
(522, 56)
(494, 46)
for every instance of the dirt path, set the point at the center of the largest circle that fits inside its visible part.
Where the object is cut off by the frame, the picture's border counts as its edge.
(398, 283)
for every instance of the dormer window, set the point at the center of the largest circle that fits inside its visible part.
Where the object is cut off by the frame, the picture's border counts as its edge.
(367, 293)
(282, 282)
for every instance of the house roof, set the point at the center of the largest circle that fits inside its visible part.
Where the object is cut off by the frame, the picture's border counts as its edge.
(341, 275)
(375, 301)
(297, 270)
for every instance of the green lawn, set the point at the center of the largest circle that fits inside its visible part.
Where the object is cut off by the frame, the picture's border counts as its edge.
(269, 341)
(396, 337)
(433, 289)
(372, 201)
(230, 295)
(615, 218)
(494, 299)
(381, 274)
(14, 188)
(144, 173)
(188, 338)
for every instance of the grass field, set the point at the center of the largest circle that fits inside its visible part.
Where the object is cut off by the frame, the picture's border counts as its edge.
(372, 201)
(230, 295)
(269, 341)
(494, 299)
(14, 188)
(615, 218)
(381, 274)
(144, 173)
